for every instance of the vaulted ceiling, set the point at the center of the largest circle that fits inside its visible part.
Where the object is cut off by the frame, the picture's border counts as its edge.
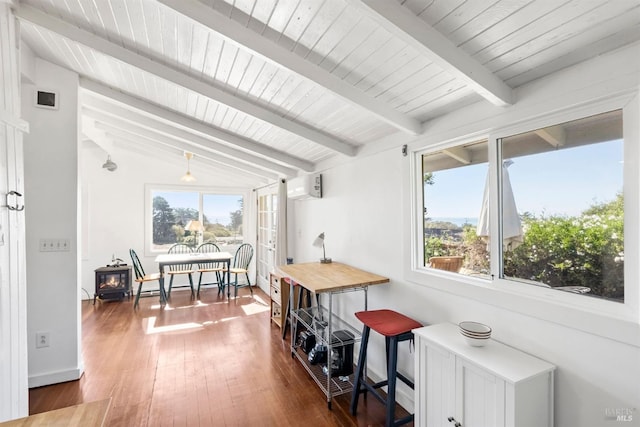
(269, 88)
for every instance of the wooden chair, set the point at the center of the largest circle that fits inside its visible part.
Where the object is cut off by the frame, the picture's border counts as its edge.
(141, 278)
(210, 267)
(241, 262)
(181, 248)
(448, 263)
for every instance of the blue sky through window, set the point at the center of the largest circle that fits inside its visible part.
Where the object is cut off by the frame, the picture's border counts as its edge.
(563, 182)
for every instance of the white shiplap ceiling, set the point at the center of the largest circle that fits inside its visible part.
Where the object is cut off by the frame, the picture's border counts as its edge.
(268, 88)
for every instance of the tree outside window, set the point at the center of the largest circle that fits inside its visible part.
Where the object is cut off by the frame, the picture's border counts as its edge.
(220, 214)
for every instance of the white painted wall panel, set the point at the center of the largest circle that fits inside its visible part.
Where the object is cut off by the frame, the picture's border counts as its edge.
(52, 213)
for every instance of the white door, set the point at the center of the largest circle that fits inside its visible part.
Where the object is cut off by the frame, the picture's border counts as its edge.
(479, 396)
(13, 306)
(437, 390)
(266, 244)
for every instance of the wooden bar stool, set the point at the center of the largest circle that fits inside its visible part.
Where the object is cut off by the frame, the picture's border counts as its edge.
(395, 327)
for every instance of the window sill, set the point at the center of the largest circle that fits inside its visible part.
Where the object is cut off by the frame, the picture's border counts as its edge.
(611, 320)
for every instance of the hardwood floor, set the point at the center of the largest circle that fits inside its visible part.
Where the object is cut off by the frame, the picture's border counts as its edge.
(207, 363)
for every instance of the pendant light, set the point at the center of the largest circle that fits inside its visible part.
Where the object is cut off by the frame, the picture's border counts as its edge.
(187, 177)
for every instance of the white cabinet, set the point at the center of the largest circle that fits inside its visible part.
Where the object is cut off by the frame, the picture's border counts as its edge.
(458, 385)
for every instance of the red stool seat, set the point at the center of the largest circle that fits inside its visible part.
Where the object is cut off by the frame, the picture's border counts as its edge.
(387, 322)
(395, 328)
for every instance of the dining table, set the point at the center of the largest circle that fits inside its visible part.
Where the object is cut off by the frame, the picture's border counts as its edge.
(166, 260)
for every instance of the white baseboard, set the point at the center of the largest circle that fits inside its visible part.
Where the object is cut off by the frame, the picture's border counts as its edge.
(55, 377)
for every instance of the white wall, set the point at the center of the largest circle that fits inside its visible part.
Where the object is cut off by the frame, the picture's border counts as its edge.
(365, 218)
(51, 200)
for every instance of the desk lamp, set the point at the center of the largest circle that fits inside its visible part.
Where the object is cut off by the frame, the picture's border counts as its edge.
(320, 242)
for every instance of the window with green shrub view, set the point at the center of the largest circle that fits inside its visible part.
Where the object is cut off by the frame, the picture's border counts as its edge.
(562, 207)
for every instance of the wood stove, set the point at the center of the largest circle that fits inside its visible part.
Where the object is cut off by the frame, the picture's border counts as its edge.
(113, 282)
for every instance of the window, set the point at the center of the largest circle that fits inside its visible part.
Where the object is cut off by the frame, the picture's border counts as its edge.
(567, 180)
(454, 180)
(172, 210)
(561, 222)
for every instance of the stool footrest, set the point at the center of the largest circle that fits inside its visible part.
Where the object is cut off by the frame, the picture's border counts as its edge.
(405, 380)
(379, 384)
(403, 420)
(372, 389)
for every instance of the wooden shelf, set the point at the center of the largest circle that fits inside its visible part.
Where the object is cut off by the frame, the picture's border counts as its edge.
(279, 297)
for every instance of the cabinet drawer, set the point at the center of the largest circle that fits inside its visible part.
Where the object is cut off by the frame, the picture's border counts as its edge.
(275, 294)
(275, 281)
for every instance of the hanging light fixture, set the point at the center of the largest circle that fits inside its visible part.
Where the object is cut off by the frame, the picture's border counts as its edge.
(187, 177)
(109, 165)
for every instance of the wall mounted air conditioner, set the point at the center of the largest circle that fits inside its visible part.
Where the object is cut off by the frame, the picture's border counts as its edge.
(305, 187)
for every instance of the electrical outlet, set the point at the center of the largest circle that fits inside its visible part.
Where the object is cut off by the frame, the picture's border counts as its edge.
(42, 339)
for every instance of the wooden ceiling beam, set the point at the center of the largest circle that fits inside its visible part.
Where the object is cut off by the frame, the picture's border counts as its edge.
(142, 125)
(554, 135)
(195, 126)
(274, 53)
(157, 68)
(459, 153)
(403, 23)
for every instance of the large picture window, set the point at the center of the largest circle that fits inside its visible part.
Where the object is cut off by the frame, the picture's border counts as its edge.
(561, 207)
(218, 218)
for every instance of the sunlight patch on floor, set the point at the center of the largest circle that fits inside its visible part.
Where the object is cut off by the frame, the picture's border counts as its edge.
(254, 308)
(257, 304)
(152, 329)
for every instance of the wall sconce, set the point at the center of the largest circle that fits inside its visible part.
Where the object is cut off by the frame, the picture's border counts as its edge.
(109, 164)
(187, 177)
(320, 242)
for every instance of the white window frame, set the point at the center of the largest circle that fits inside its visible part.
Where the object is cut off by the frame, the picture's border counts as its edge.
(614, 320)
(148, 208)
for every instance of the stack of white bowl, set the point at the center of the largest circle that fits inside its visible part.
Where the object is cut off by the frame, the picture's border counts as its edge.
(474, 333)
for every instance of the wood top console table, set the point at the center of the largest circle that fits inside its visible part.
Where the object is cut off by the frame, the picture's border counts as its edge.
(329, 330)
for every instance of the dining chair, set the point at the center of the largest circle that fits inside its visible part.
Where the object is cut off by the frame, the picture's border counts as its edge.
(210, 267)
(142, 277)
(181, 248)
(241, 261)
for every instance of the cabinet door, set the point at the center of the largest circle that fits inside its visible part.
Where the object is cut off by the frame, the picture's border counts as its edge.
(479, 396)
(436, 392)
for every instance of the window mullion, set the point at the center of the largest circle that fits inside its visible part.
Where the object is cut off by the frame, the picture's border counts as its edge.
(494, 158)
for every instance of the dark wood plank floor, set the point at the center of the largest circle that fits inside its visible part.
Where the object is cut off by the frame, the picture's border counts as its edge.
(208, 363)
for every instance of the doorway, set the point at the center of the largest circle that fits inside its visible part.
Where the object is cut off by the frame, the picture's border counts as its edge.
(267, 229)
